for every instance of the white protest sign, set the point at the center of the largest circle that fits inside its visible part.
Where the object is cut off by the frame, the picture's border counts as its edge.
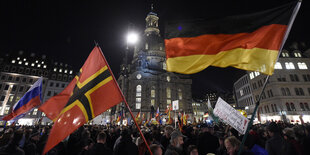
(175, 105)
(230, 116)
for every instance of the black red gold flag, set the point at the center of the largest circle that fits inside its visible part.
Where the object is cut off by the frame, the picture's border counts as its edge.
(249, 42)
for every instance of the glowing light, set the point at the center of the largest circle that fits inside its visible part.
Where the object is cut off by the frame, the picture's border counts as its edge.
(132, 38)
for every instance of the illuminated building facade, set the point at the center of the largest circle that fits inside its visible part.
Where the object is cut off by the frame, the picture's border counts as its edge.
(287, 94)
(19, 72)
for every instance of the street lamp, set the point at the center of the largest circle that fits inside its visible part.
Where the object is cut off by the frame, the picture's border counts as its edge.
(132, 38)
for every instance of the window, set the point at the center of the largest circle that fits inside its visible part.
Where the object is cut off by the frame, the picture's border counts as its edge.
(275, 108)
(289, 65)
(10, 78)
(2, 98)
(3, 77)
(24, 79)
(294, 77)
(288, 107)
(57, 84)
(35, 111)
(11, 98)
(180, 94)
(299, 92)
(146, 46)
(302, 106)
(138, 90)
(272, 108)
(278, 65)
(283, 92)
(302, 65)
(168, 102)
(6, 87)
(306, 106)
(6, 110)
(297, 54)
(49, 93)
(153, 102)
(285, 54)
(168, 91)
(306, 77)
(63, 85)
(30, 81)
(14, 88)
(51, 84)
(287, 90)
(293, 107)
(153, 91)
(21, 88)
(17, 79)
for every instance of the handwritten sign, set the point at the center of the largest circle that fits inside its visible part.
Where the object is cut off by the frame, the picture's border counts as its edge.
(230, 116)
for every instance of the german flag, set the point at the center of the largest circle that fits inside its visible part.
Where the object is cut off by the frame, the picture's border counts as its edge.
(249, 42)
(93, 91)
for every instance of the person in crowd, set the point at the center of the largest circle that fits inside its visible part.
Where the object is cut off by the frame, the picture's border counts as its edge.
(30, 147)
(294, 146)
(156, 149)
(125, 145)
(100, 148)
(164, 141)
(192, 150)
(142, 147)
(276, 144)
(176, 142)
(12, 147)
(207, 139)
(232, 145)
(221, 150)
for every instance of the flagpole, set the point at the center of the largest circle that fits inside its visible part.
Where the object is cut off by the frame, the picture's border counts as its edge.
(147, 145)
(296, 9)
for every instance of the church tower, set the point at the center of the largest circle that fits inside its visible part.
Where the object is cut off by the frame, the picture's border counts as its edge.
(148, 85)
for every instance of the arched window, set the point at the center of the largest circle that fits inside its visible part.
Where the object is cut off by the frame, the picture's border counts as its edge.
(302, 106)
(138, 91)
(287, 90)
(168, 91)
(293, 107)
(288, 107)
(275, 107)
(153, 91)
(283, 91)
(272, 108)
(180, 94)
(307, 107)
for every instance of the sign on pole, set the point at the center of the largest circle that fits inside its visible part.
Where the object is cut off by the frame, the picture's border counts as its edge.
(175, 105)
(230, 116)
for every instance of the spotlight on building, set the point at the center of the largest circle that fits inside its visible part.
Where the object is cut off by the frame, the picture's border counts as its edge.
(132, 38)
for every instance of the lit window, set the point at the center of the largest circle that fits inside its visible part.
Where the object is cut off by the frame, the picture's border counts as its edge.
(241, 92)
(278, 65)
(164, 66)
(25, 59)
(138, 94)
(152, 102)
(44, 66)
(71, 72)
(146, 46)
(60, 70)
(256, 73)
(26, 63)
(302, 65)
(18, 58)
(168, 101)
(138, 100)
(20, 62)
(32, 64)
(66, 71)
(39, 65)
(251, 75)
(37, 61)
(138, 89)
(13, 61)
(152, 93)
(35, 111)
(168, 91)
(42, 62)
(289, 65)
(138, 105)
(55, 69)
(180, 94)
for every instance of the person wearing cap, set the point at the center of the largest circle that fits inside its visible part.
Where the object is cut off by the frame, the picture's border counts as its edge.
(176, 142)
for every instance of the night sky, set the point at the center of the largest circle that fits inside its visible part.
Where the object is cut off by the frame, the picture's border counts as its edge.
(66, 30)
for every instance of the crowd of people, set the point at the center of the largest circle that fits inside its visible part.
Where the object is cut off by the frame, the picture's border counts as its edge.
(273, 138)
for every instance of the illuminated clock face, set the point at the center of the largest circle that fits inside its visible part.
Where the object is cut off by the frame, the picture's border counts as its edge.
(139, 76)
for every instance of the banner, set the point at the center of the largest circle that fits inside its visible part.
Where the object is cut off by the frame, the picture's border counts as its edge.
(230, 116)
